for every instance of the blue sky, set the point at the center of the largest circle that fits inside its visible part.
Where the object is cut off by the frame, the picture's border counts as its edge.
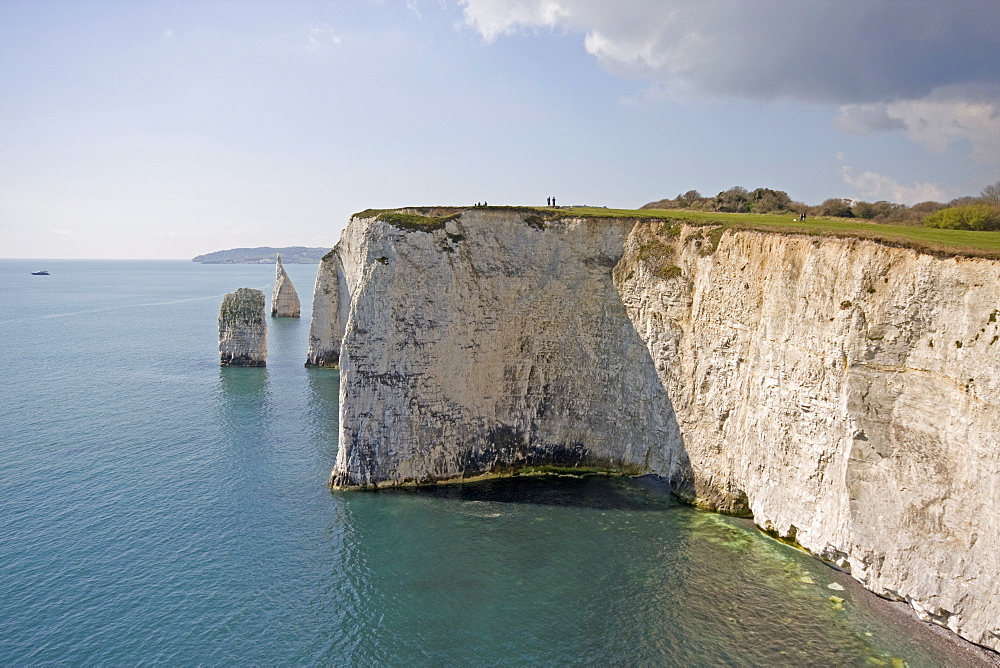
(169, 129)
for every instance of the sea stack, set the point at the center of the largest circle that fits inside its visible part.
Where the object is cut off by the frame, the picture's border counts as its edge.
(284, 299)
(243, 329)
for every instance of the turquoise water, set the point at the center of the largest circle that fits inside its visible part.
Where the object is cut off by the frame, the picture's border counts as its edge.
(156, 508)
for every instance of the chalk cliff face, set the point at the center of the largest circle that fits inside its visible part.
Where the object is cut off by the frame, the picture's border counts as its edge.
(845, 393)
(243, 329)
(284, 299)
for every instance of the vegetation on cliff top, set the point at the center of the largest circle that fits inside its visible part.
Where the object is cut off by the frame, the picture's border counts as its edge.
(979, 217)
(925, 239)
(765, 200)
(423, 220)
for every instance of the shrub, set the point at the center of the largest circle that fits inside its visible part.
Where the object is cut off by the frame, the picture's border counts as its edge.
(713, 239)
(923, 209)
(654, 249)
(734, 200)
(885, 209)
(979, 217)
(865, 210)
(668, 272)
(765, 200)
(991, 194)
(840, 208)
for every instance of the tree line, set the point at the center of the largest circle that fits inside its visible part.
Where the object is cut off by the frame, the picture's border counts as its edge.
(968, 213)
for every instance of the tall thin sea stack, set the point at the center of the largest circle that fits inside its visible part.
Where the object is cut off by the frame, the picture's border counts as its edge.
(284, 299)
(243, 329)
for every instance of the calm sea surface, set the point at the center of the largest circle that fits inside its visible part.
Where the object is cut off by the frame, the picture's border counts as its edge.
(156, 508)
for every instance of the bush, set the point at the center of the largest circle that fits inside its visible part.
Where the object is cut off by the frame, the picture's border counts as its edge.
(926, 208)
(840, 208)
(865, 210)
(687, 199)
(991, 194)
(734, 200)
(886, 210)
(765, 200)
(979, 217)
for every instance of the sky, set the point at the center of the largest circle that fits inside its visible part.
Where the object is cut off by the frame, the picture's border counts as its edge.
(169, 129)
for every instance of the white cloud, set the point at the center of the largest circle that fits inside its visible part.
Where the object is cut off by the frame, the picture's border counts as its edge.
(493, 18)
(863, 119)
(321, 34)
(935, 121)
(877, 187)
(168, 33)
(929, 69)
(821, 51)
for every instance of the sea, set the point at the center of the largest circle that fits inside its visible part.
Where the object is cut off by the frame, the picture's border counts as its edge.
(158, 509)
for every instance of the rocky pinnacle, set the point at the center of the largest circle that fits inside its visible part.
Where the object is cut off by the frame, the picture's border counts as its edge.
(284, 299)
(243, 329)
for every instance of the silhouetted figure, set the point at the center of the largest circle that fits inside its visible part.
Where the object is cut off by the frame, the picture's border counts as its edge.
(548, 201)
(553, 201)
(803, 215)
(485, 204)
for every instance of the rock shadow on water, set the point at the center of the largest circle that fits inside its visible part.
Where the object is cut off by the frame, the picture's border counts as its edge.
(285, 342)
(593, 492)
(244, 400)
(323, 407)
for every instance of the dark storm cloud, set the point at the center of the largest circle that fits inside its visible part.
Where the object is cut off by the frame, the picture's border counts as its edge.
(829, 51)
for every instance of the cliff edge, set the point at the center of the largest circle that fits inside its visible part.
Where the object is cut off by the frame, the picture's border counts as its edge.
(843, 392)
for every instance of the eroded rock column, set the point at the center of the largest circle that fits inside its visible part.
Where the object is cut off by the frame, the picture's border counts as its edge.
(284, 299)
(243, 329)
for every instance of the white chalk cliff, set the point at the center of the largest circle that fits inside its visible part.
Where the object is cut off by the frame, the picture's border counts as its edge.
(284, 299)
(243, 329)
(844, 392)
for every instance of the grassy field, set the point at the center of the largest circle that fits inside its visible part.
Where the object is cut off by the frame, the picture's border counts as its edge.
(928, 239)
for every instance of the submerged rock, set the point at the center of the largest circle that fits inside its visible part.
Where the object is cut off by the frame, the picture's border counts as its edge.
(284, 299)
(243, 329)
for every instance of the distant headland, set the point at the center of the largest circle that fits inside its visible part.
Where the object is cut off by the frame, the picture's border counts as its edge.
(264, 255)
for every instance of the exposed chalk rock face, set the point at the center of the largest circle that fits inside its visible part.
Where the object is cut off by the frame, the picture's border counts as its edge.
(845, 393)
(243, 329)
(284, 299)
(849, 394)
(326, 328)
(468, 350)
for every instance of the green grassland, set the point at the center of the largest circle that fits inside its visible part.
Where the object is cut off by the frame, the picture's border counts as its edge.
(927, 239)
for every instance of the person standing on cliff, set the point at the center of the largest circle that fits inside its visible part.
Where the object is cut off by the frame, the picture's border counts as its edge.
(548, 201)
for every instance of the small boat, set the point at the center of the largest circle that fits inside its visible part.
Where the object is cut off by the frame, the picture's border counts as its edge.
(40, 273)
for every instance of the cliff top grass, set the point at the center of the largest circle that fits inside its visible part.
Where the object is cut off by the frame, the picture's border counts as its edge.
(924, 239)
